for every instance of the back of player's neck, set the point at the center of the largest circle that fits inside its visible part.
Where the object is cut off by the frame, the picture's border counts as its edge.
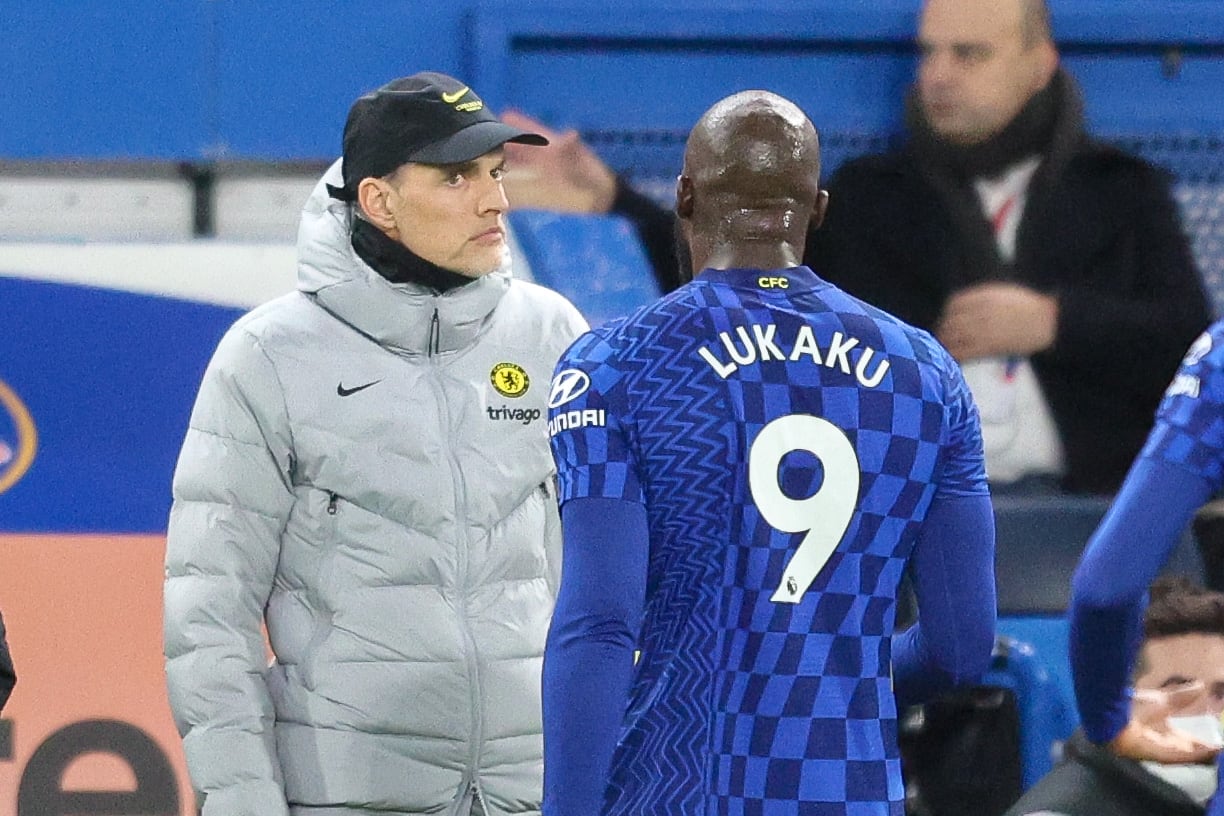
(753, 255)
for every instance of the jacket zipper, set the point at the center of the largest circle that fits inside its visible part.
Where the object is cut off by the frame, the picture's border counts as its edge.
(473, 797)
(461, 574)
(332, 500)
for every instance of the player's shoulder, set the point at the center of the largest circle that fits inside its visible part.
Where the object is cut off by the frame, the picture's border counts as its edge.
(1207, 351)
(1200, 377)
(917, 360)
(899, 335)
(649, 329)
(653, 321)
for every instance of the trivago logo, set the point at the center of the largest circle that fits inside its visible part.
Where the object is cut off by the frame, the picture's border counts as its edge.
(18, 437)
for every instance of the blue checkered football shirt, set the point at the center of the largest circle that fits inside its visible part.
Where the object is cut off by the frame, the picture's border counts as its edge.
(1189, 429)
(783, 443)
(1180, 467)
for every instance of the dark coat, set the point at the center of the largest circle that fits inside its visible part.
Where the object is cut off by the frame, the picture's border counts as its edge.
(1092, 781)
(8, 678)
(1100, 230)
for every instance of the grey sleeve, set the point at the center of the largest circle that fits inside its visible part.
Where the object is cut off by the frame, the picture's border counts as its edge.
(232, 498)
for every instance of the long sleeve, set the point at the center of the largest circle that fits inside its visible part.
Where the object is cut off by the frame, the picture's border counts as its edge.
(955, 585)
(588, 659)
(1109, 588)
(231, 502)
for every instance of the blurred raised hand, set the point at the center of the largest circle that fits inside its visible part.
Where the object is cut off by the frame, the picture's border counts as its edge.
(997, 319)
(565, 176)
(1148, 735)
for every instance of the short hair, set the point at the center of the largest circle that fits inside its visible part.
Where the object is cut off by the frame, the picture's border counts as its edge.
(1035, 23)
(1178, 606)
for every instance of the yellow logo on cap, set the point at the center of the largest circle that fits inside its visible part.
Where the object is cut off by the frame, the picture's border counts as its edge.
(509, 379)
(471, 106)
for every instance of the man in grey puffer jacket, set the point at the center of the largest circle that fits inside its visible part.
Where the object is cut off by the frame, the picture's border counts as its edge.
(367, 474)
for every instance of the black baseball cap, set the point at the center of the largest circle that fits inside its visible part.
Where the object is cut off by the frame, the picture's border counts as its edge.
(429, 118)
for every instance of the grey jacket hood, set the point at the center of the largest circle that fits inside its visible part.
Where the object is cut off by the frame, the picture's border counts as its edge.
(396, 315)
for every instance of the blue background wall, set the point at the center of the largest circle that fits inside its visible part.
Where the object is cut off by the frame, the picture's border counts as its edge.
(225, 79)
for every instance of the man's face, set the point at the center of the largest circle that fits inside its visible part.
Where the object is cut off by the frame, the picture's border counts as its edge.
(1189, 672)
(976, 71)
(452, 215)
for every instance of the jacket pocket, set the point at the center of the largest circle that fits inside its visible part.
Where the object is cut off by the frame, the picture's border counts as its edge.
(321, 610)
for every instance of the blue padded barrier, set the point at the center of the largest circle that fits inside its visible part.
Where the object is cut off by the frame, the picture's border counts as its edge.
(596, 261)
(107, 379)
(1039, 540)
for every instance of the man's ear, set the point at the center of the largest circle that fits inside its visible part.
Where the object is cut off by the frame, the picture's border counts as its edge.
(819, 210)
(684, 197)
(372, 197)
(1047, 64)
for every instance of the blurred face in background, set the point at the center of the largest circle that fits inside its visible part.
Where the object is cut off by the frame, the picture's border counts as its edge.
(1184, 674)
(981, 62)
(1179, 684)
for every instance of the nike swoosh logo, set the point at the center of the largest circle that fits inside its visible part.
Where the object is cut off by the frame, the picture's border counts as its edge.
(452, 98)
(347, 392)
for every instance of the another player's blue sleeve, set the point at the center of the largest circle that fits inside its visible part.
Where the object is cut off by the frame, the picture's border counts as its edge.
(953, 571)
(1109, 588)
(588, 659)
(1180, 466)
(1215, 805)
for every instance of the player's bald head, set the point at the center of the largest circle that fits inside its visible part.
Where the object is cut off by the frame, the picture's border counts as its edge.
(752, 158)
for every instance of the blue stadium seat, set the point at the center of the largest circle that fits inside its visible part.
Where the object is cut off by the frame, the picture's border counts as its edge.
(596, 261)
(1039, 540)
(1046, 707)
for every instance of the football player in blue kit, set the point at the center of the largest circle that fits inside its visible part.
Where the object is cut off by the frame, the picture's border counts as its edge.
(746, 468)
(1180, 467)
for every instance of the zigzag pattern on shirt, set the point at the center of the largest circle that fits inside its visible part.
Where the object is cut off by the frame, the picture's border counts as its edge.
(681, 419)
